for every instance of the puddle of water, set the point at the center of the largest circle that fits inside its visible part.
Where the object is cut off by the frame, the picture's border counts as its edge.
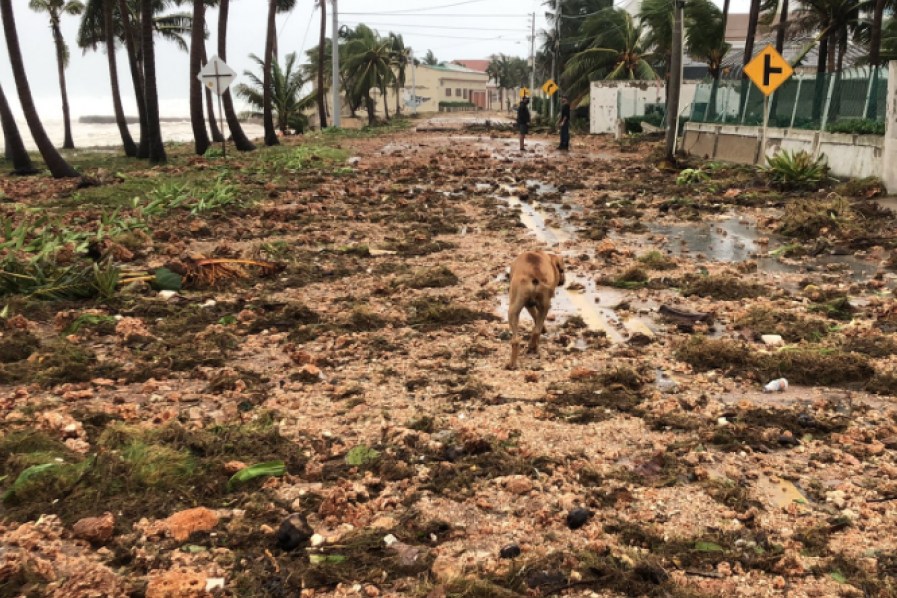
(782, 494)
(736, 240)
(887, 202)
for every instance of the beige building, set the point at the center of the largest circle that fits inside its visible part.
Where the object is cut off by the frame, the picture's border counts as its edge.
(444, 83)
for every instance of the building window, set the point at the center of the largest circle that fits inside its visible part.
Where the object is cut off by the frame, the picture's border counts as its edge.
(465, 94)
(457, 93)
(448, 92)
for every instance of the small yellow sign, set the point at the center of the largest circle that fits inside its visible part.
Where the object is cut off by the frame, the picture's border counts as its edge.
(550, 87)
(768, 70)
(524, 93)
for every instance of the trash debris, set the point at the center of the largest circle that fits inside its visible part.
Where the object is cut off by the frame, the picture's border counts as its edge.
(779, 385)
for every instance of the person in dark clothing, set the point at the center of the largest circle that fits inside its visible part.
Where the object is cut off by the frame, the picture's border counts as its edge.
(523, 118)
(564, 124)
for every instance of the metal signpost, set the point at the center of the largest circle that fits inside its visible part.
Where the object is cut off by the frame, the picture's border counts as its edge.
(768, 70)
(217, 77)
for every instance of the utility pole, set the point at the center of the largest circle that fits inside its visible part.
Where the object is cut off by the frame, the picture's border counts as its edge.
(334, 83)
(557, 52)
(532, 58)
(675, 82)
(413, 84)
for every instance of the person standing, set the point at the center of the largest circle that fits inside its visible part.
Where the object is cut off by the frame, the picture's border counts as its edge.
(564, 124)
(523, 118)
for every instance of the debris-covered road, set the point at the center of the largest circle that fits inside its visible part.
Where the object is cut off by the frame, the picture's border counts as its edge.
(338, 305)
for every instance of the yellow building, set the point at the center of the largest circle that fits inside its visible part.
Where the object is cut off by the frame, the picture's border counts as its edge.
(446, 83)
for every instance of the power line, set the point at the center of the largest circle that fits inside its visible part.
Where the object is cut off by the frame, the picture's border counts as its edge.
(471, 15)
(415, 25)
(410, 10)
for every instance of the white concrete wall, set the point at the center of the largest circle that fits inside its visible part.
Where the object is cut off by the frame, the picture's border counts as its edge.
(848, 156)
(610, 100)
(889, 170)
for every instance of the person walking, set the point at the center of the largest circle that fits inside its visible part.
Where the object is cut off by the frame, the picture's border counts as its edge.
(523, 118)
(564, 124)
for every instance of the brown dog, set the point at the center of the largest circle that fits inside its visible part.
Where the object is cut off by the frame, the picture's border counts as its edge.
(534, 277)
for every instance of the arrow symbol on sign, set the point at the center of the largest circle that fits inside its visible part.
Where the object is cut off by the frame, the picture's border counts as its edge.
(768, 69)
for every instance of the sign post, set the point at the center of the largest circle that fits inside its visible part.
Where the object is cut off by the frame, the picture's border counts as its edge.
(217, 77)
(524, 92)
(768, 71)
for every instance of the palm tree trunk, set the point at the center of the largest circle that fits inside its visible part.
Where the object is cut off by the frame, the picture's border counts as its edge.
(322, 108)
(783, 27)
(369, 105)
(136, 78)
(385, 104)
(820, 77)
(270, 132)
(875, 35)
(57, 165)
(835, 108)
(832, 47)
(753, 18)
(217, 136)
(120, 120)
(154, 129)
(233, 123)
(68, 142)
(197, 49)
(15, 147)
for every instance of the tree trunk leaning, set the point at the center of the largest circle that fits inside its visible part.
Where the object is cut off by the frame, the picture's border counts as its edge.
(270, 131)
(136, 78)
(127, 141)
(15, 147)
(57, 165)
(217, 136)
(241, 141)
(68, 142)
(322, 107)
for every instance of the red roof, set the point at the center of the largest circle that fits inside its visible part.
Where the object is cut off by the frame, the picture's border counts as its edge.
(475, 65)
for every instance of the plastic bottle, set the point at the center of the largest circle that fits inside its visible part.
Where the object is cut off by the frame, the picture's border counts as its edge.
(780, 385)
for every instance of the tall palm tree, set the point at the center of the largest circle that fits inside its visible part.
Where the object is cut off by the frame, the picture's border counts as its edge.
(55, 9)
(133, 49)
(197, 49)
(153, 125)
(286, 94)
(274, 6)
(430, 59)
(401, 58)
(875, 33)
(120, 120)
(616, 50)
(57, 165)
(322, 106)
(14, 146)
(233, 123)
(368, 65)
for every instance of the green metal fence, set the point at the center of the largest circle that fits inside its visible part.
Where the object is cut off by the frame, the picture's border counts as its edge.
(851, 101)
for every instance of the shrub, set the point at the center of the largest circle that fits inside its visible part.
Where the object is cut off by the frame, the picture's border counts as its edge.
(857, 126)
(634, 123)
(796, 169)
(456, 105)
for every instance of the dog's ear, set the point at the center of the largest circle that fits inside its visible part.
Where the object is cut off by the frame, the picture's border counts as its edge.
(558, 262)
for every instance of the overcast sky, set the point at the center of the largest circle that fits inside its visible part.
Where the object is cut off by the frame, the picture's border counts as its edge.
(471, 29)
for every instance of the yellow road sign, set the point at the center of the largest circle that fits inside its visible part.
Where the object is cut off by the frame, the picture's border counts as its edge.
(768, 70)
(524, 93)
(550, 87)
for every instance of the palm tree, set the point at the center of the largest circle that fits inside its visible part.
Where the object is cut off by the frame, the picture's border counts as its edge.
(153, 125)
(55, 9)
(274, 6)
(889, 40)
(876, 32)
(401, 58)
(322, 106)
(286, 89)
(616, 50)
(14, 146)
(197, 49)
(368, 65)
(57, 165)
(430, 59)
(705, 36)
(132, 46)
(233, 123)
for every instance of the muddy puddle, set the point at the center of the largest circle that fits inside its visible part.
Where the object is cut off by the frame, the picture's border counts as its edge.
(735, 239)
(581, 296)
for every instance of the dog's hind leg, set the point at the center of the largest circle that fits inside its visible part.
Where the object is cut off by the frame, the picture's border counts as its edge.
(538, 327)
(534, 314)
(514, 323)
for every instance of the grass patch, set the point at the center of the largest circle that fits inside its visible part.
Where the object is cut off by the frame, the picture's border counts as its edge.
(807, 219)
(439, 312)
(654, 260)
(791, 327)
(428, 278)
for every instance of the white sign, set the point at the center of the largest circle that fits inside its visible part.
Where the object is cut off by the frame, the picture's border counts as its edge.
(216, 76)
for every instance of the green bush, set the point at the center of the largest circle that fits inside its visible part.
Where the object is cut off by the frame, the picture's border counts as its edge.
(857, 126)
(796, 169)
(456, 105)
